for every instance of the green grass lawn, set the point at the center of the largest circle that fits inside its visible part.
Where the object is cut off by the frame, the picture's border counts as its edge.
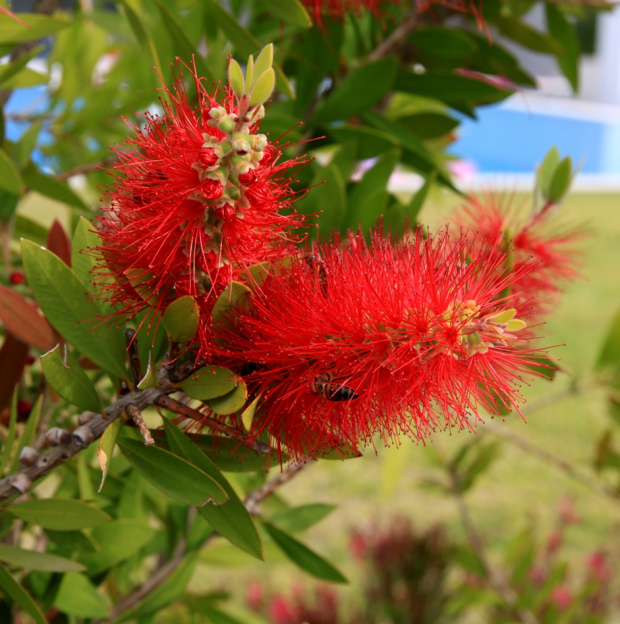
(518, 488)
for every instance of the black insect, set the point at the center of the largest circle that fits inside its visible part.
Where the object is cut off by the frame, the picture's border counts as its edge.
(328, 387)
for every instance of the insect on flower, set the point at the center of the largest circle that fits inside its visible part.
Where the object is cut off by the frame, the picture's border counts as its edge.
(327, 386)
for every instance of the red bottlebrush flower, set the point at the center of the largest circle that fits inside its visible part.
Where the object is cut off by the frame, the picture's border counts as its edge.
(386, 338)
(199, 195)
(554, 252)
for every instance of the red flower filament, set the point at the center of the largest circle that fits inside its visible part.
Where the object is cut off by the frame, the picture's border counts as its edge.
(385, 338)
(199, 196)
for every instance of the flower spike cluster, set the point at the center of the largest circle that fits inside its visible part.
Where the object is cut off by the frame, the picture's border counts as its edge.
(517, 237)
(384, 338)
(199, 195)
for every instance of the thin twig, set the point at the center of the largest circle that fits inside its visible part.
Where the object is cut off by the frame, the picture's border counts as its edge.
(86, 168)
(575, 473)
(269, 487)
(189, 412)
(397, 35)
(93, 425)
(498, 582)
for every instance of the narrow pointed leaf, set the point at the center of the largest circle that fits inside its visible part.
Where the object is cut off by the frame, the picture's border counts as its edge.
(33, 560)
(263, 88)
(79, 597)
(58, 514)
(172, 475)
(230, 520)
(69, 380)
(17, 594)
(301, 518)
(10, 180)
(107, 442)
(302, 556)
(291, 11)
(229, 456)
(66, 304)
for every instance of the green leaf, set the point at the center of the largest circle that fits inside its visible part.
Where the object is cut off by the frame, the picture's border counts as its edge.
(291, 11)
(17, 594)
(172, 475)
(328, 198)
(66, 304)
(83, 260)
(67, 377)
(302, 556)
(9, 70)
(171, 590)
(181, 319)
(39, 26)
(106, 445)
(235, 78)
(448, 87)
(8, 203)
(368, 199)
(183, 45)
(543, 366)
(429, 125)
(439, 42)
(609, 357)
(564, 33)
(49, 187)
(244, 41)
(234, 294)
(37, 560)
(231, 402)
(301, 518)
(58, 514)
(247, 416)
(150, 379)
(560, 182)
(413, 208)
(525, 35)
(79, 597)
(359, 90)
(118, 540)
(263, 88)
(10, 180)
(229, 456)
(231, 520)
(7, 443)
(256, 274)
(209, 382)
(370, 142)
(546, 169)
(145, 41)
(264, 61)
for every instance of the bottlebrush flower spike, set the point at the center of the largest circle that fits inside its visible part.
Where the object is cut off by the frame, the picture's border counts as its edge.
(518, 236)
(199, 195)
(388, 338)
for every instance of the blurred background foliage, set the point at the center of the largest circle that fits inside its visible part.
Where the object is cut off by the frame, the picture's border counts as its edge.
(514, 524)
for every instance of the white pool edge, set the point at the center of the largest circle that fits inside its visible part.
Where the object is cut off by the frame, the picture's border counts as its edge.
(584, 182)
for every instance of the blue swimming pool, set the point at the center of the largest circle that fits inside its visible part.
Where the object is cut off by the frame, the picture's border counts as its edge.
(514, 136)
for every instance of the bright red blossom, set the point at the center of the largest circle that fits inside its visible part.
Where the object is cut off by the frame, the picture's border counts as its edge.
(517, 237)
(388, 338)
(199, 196)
